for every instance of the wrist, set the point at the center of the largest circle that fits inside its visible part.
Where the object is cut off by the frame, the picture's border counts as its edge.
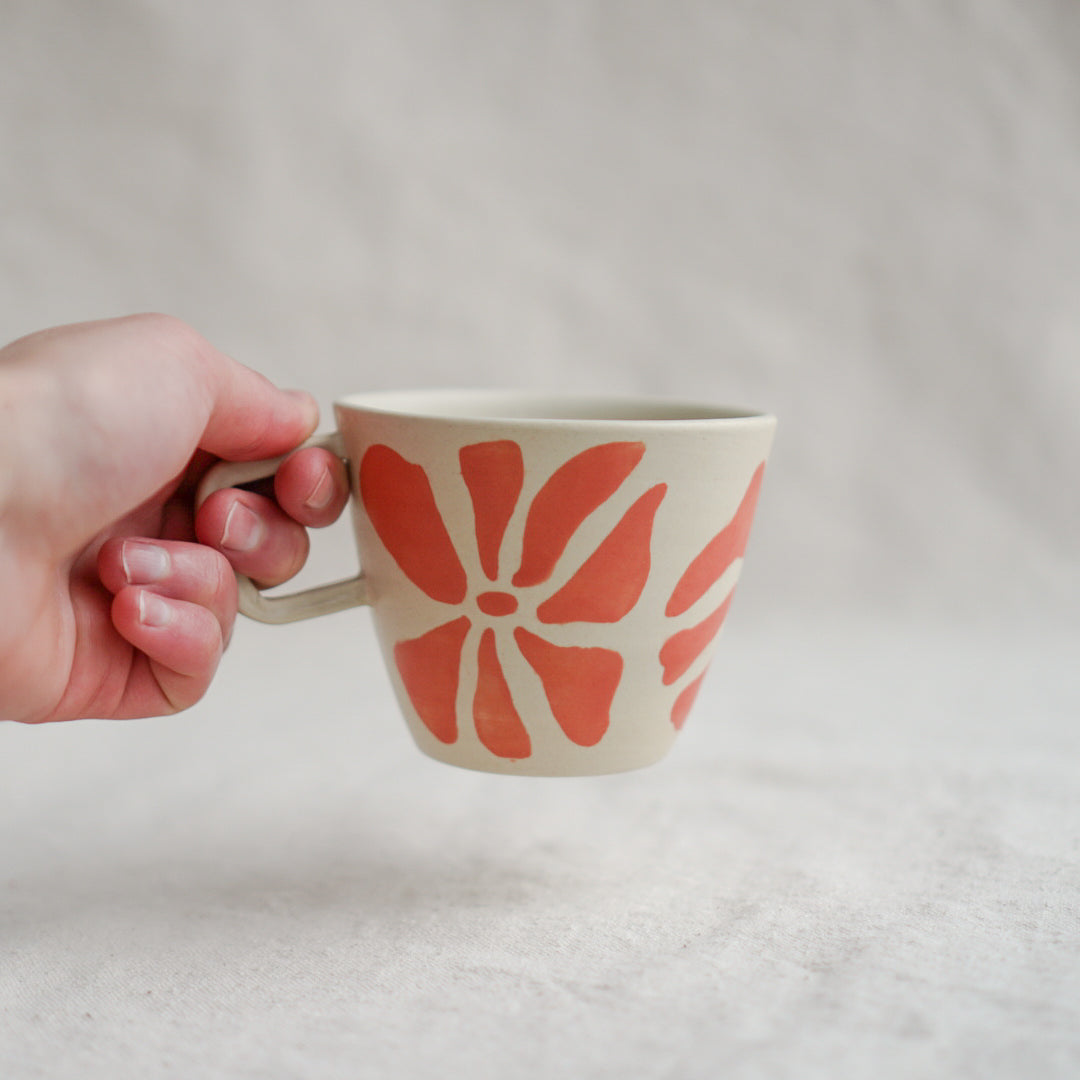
(22, 404)
(8, 456)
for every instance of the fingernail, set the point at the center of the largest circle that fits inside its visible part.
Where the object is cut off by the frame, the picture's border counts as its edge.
(143, 563)
(321, 493)
(243, 529)
(153, 610)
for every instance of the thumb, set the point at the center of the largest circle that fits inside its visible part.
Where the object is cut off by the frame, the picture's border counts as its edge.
(249, 417)
(109, 412)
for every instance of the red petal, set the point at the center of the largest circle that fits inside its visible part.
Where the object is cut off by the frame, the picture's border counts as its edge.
(497, 721)
(718, 554)
(580, 684)
(430, 667)
(684, 702)
(399, 501)
(682, 649)
(610, 581)
(571, 494)
(493, 473)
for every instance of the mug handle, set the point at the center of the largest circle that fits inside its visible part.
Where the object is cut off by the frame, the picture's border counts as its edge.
(306, 604)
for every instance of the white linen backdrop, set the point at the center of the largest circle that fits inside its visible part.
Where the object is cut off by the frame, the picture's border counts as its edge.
(862, 857)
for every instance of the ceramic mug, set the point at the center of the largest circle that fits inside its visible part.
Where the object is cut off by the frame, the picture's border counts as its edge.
(547, 575)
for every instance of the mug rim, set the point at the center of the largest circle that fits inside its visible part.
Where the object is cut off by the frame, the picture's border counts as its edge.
(516, 407)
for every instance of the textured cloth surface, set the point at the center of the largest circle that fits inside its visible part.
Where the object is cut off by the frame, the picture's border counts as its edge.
(863, 856)
(860, 859)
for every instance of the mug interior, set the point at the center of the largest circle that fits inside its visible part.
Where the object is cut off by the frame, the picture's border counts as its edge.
(511, 405)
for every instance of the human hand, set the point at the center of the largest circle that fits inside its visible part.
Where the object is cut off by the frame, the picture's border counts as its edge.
(116, 600)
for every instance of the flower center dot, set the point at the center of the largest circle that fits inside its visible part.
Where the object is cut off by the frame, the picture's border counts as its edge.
(497, 603)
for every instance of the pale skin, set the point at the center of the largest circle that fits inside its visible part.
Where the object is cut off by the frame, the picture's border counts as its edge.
(116, 598)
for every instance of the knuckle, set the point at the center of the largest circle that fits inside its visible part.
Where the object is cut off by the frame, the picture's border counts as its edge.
(291, 556)
(170, 330)
(221, 576)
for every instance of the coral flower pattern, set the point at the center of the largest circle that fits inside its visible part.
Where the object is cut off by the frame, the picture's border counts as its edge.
(579, 681)
(683, 648)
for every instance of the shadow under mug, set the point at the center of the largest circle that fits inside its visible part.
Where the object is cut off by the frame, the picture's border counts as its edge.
(547, 575)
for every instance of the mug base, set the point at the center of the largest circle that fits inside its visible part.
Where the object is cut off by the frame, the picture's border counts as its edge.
(580, 763)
